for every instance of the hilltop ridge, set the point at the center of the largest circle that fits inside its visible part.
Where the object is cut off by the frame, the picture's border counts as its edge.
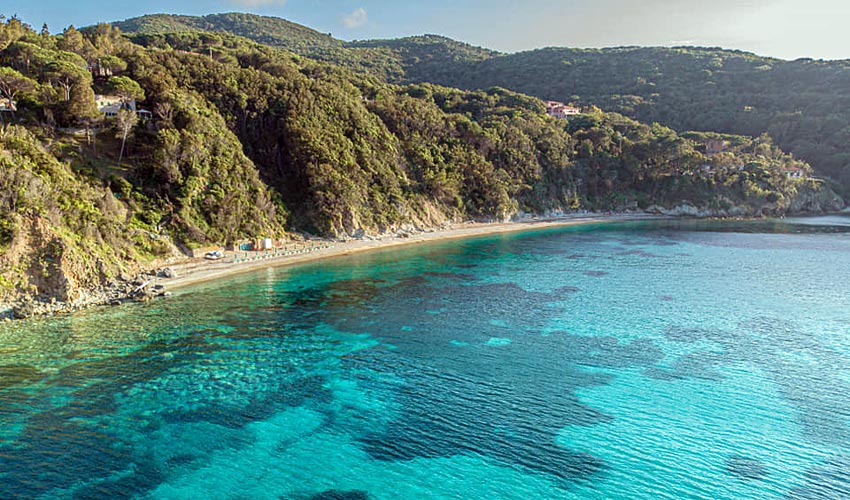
(263, 29)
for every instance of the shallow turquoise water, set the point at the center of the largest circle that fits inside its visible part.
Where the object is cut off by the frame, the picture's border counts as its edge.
(642, 360)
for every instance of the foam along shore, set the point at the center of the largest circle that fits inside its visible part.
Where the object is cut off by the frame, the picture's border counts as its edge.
(201, 271)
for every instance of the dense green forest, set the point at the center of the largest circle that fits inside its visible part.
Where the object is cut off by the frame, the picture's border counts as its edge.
(804, 105)
(246, 140)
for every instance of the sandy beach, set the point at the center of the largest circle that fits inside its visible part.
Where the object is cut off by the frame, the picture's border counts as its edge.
(198, 271)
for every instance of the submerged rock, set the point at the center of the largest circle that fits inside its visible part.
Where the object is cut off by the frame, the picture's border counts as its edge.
(746, 468)
(17, 374)
(341, 495)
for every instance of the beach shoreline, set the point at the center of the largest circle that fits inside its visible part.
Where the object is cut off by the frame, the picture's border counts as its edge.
(184, 273)
(207, 271)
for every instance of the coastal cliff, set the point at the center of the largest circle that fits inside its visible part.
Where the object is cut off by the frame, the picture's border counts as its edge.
(812, 198)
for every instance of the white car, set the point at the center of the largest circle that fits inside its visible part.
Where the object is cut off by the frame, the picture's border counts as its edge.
(216, 255)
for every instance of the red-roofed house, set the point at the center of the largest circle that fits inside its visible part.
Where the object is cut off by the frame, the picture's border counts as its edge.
(794, 172)
(561, 110)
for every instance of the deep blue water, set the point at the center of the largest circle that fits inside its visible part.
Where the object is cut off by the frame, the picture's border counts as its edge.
(622, 361)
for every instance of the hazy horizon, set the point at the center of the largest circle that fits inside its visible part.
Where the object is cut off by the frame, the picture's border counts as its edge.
(774, 28)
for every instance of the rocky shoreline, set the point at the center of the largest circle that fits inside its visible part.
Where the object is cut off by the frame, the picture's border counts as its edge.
(141, 288)
(152, 284)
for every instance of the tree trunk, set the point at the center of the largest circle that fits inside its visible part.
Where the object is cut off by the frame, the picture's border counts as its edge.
(121, 154)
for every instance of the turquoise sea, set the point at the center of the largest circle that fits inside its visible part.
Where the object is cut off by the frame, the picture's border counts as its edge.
(642, 360)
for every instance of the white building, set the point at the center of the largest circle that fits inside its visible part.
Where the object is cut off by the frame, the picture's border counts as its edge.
(560, 110)
(110, 105)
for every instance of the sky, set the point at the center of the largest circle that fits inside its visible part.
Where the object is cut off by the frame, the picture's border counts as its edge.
(787, 29)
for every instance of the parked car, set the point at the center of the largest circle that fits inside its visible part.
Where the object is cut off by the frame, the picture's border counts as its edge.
(216, 255)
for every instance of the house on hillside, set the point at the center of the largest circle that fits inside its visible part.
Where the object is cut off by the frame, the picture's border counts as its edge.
(109, 105)
(794, 172)
(560, 110)
(8, 105)
(715, 146)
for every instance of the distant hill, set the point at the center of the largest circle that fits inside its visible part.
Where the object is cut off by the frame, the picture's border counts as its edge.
(263, 29)
(275, 32)
(417, 58)
(428, 58)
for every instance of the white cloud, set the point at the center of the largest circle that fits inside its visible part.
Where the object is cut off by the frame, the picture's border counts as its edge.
(258, 3)
(356, 19)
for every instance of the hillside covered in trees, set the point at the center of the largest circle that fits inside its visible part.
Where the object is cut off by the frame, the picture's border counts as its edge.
(804, 105)
(228, 139)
